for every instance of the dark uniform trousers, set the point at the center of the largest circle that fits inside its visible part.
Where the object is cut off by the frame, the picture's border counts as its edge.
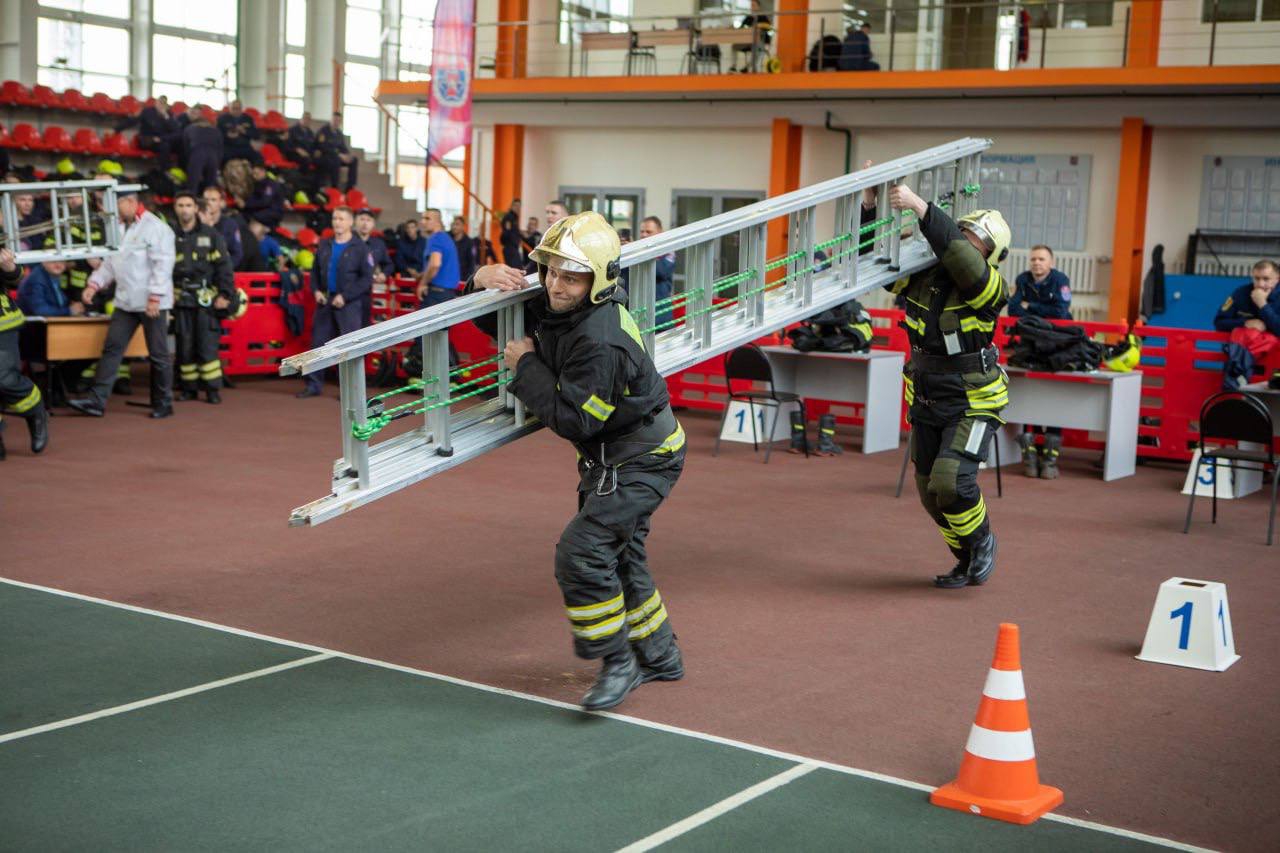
(601, 564)
(119, 332)
(18, 394)
(197, 331)
(327, 324)
(953, 418)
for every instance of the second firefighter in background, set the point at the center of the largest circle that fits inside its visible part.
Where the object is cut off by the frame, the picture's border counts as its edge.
(203, 285)
(954, 384)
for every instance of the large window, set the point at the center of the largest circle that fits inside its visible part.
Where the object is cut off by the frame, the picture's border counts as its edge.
(364, 28)
(295, 61)
(205, 16)
(902, 15)
(1080, 14)
(360, 118)
(105, 8)
(412, 133)
(87, 57)
(692, 205)
(295, 23)
(414, 54)
(592, 16)
(193, 70)
(1240, 10)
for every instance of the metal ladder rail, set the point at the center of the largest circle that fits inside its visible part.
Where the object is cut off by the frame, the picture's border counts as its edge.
(65, 246)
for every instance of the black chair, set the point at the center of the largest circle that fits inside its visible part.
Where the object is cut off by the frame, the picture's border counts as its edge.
(1237, 416)
(750, 363)
(906, 458)
(643, 60)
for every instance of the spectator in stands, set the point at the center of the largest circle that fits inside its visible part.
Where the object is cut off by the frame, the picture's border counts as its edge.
(664, 276)
(1251, 315)
(143, 278)
(238, 132)
(410, 244)
(29, 213)
(510, 237)
(212, 213)
(383, 266)
(158, 131)
(855, 53)
(341, 281)
(440, 271)
(300, 144)
(1041, 291)
(532, 236)
(41, 293)
(335, 154)
(201, 151)
(465, 247)
(556, 210)
(266, 203)
(762, 36)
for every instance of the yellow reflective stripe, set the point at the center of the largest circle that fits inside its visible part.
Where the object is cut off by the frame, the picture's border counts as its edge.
(629, 325)
(913, 323)
(11, 320)
(970, 324)
(964, 523)
(909, 389)
(598, 408)
(989, 293)
(598, 630)
(974, 413)
(900, 285)
(921, 304)
(642, 612)
(950, 537)
(644, 629)
(187, 371)
(673, 442)
(587, 612)
(26, 403)
(210, 365)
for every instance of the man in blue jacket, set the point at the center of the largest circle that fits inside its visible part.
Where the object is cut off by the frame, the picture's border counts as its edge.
(41, 294)
(266, 203)
(410, 245)
(1041, 291)
(1252, 315)
(341, 282)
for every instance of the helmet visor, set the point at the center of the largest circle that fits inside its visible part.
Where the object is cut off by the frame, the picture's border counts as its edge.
(980, 231)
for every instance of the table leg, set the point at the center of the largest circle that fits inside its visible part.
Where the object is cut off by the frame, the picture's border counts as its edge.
(882, 412)
(1123, 401)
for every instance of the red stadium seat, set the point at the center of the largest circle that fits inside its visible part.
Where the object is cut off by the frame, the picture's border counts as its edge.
(307, 238)
(335, 196)
(4, 136)
(13, 93)
(254, 114)
(131, 148)
(274, 122)
(128, 106)
(210, 115)
(25, 136)
(86, 141)
(286, 233)
(45, 97)
(56, 138)
(326, 234)
(113, 143)
(73, 99)
(103, 104)
(356, 199)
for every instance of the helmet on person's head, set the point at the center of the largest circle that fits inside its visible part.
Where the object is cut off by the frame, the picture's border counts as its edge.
(583, 242)
(65, 166)
(1124, 356)
(304, 259)
(992, 230)
(110, 167)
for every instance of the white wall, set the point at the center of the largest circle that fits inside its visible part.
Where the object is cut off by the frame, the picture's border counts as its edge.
(1185, 41)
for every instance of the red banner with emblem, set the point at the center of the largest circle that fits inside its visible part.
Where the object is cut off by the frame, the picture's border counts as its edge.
(453, 39)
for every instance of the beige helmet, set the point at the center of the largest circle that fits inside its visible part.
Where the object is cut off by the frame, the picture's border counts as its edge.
(991, 228)
(583, 242)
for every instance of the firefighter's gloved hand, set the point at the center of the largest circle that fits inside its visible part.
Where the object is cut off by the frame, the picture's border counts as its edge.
(902, 198)
(515, 350)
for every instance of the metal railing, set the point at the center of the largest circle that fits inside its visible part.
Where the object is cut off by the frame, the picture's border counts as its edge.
(710, 317)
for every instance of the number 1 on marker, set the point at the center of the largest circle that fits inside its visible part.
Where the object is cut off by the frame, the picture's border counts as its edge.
(1222, 620)
(1184, 634)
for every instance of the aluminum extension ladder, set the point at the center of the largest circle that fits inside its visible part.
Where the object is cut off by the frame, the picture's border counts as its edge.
(719, 315)
(66, 245)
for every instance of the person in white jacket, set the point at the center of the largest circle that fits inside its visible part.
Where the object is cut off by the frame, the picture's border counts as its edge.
(142, 272)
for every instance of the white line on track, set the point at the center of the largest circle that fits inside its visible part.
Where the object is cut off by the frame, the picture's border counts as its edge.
(164, 697)
(555, 703)
(714, 811)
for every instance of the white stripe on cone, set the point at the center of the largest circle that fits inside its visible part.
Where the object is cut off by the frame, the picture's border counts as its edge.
(1003, 684)
(1000, 746)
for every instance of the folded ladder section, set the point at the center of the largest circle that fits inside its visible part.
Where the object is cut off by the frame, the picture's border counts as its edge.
(68, 235)
(725, 303)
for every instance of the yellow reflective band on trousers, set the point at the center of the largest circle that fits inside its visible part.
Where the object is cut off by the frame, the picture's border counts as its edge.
(909, 389)
(964, 523)
(993, 395)
(598, 408)
(993, 288)
(587, 612)
(11, 316)
(27, 403)
(643, 612)
(604, 628)
(673, 442)
(187, 371)
(951, 538)
(647, 627)
(593, 621)
(211, 370)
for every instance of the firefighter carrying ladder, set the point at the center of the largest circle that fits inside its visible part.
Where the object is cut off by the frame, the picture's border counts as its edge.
(715, 315)
(67, 244)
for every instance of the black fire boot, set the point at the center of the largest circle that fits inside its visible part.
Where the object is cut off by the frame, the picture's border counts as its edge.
(669, 668)
(982, 560)
(799, 434)
(1049, 456)
(38, 425)
(827, 436)
(3, 454)
(959, 576)
(188, 394)
(213, 396)
(1030, 459)
(619, 675)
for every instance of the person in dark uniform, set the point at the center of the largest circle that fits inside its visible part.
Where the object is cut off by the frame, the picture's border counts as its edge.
(335, 154)
(266, 203)
(238, 132)
(1041, 291)
(464, 246)
(213, 214)
(203, 284)
(410, 244)
(300, 144)
(510, 236)
(18, 394)
(201, 152)
(954, 385)
(1251, 315)
(383, 266)
(157, 131)
(586, 375)
(341, 281)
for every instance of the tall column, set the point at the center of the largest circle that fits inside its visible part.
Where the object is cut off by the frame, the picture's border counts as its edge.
(1128, 245)
(1143, 48)
(784, 176)
(260, 58)
(508, 173)
(793, 33)
(18, 42)
(326, 44)
(513, 40)
(140, 65)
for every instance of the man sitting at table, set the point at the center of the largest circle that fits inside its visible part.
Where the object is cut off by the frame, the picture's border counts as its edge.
(1252, 315)
(1041, 291)
(760, 40)
(41, 295)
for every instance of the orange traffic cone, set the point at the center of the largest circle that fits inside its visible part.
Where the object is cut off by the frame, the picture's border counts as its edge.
(998, 775)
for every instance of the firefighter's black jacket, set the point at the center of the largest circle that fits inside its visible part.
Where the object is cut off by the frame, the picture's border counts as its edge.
(200, 261)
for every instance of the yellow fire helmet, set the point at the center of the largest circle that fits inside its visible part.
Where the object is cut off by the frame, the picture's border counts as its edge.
(991, 228)
(65, 166)
(1125, 355)
(584, 242)
(178, 174)
(110, 167)
(304, 259)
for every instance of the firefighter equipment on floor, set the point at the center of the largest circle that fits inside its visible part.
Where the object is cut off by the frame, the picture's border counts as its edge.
(998, 776)
(799, 433)
(711, 316)
(827, 436)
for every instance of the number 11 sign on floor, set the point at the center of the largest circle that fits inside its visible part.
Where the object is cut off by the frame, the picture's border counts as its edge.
(1191, 626)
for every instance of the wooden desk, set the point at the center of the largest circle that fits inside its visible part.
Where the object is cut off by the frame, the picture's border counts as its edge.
(76, 338)
(687, 37)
